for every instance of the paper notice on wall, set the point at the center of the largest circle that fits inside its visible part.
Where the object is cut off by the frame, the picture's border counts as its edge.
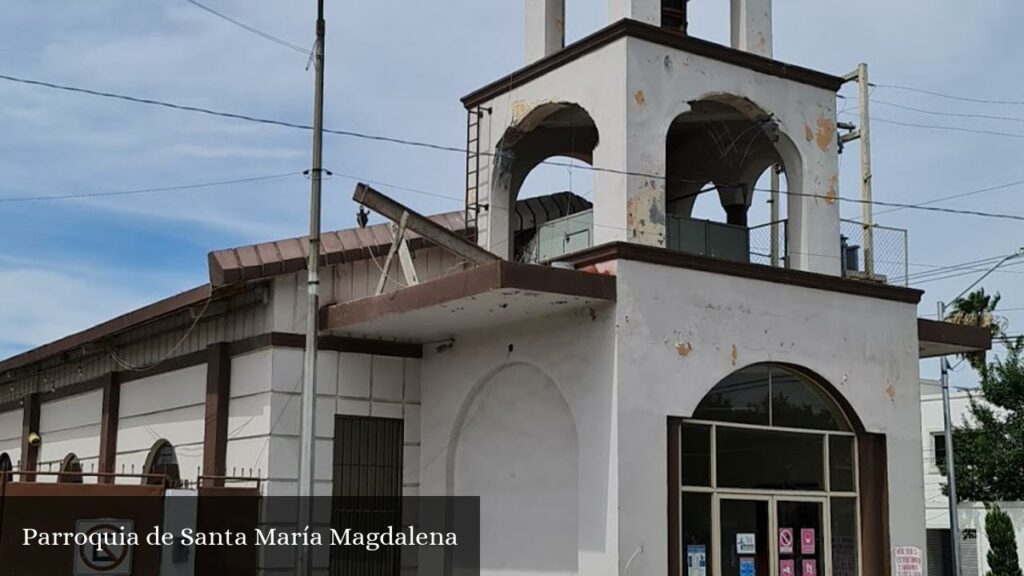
(747, 567)
(787, 568)
(746, 543)
(907, 560)
(696, 560)
(809, 567)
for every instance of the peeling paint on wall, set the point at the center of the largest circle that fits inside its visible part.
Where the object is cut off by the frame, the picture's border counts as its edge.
(645, 215)
(640, 97)
(890, 391)
(833, 189)
(826, 133)
(733, 354)
(808, 133)
(683, 348)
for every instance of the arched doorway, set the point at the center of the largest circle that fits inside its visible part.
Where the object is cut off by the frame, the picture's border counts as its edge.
(767, 476)
(162, 465)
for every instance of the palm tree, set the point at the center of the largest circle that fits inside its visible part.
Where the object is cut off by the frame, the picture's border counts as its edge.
(977, 309)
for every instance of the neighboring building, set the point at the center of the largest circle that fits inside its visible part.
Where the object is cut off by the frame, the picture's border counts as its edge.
(974, 541)
(653, 398)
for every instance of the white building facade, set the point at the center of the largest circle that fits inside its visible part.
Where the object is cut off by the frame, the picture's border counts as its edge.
(653, 400)
(974, 545)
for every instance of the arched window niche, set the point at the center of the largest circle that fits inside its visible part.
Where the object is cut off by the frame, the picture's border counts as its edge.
(767, 476)
(70, 470)
(162, 465)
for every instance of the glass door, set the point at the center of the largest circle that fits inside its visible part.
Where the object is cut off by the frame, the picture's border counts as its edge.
(769, 535)
(800, 530)
(745, 534)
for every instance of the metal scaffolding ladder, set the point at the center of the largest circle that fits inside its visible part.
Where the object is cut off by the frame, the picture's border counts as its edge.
(473, 206)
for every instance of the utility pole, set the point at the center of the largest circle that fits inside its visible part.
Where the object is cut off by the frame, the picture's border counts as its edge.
(774, 228)
(865, 172)
(307, 468)
(954, 520)
(863, 133)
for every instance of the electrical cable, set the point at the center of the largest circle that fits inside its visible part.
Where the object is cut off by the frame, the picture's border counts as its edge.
(950, 96)
(254, 30)
(446, 148)
(149, 190)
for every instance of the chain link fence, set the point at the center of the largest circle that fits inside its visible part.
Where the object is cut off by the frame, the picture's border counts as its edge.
(768, 244)
(889, 265)
(889, 261)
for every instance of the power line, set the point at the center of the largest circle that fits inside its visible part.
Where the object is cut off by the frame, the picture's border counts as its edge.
(950, 96)
(149, 190)
(441, 147)
(959, 195)
(256, 31)
(947, 128)
(950, 114)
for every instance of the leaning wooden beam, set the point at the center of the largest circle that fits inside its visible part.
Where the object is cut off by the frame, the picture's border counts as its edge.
(399, 234)
(422, 225)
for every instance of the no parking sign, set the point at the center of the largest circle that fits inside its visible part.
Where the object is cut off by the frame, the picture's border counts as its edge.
(103, 553)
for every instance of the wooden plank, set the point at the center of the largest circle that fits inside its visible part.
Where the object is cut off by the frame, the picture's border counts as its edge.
(422, 225)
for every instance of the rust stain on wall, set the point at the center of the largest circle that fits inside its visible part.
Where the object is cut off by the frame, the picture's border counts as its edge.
(733, 354)
(684, 348)
(808, 133)
(640, 97)
(890, 391)
(826, 133)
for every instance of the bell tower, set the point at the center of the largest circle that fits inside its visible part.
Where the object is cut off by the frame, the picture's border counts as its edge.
(662, 118)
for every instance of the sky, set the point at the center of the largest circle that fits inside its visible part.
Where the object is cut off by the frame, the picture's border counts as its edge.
(398, 68)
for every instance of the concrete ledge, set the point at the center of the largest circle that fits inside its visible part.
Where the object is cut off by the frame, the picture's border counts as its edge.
(484, 296)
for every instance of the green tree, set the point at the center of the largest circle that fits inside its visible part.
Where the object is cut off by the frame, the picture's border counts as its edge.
(1002, 554)
(990, 444)
(977, 309)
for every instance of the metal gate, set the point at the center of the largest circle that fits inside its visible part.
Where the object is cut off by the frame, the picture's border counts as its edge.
(367, 492)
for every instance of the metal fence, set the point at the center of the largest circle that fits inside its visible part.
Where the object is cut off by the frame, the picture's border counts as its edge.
(889, 264)
(768, 244)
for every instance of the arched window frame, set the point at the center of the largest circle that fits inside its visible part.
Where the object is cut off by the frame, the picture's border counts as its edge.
(70, 470)
(712, 494)
(158, 472)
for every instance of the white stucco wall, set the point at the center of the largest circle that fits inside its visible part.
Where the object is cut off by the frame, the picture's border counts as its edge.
(972, 517)
(69, 425)
(936, 503)
(169, 406)
(633, 89)
(867, 349)
(347, 383)
(575, 352)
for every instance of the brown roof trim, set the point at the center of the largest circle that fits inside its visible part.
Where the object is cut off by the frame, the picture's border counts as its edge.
(486, 278)
(258, 261)
(110, 327)
(657, 35)
(666, 257)
(967, 337)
